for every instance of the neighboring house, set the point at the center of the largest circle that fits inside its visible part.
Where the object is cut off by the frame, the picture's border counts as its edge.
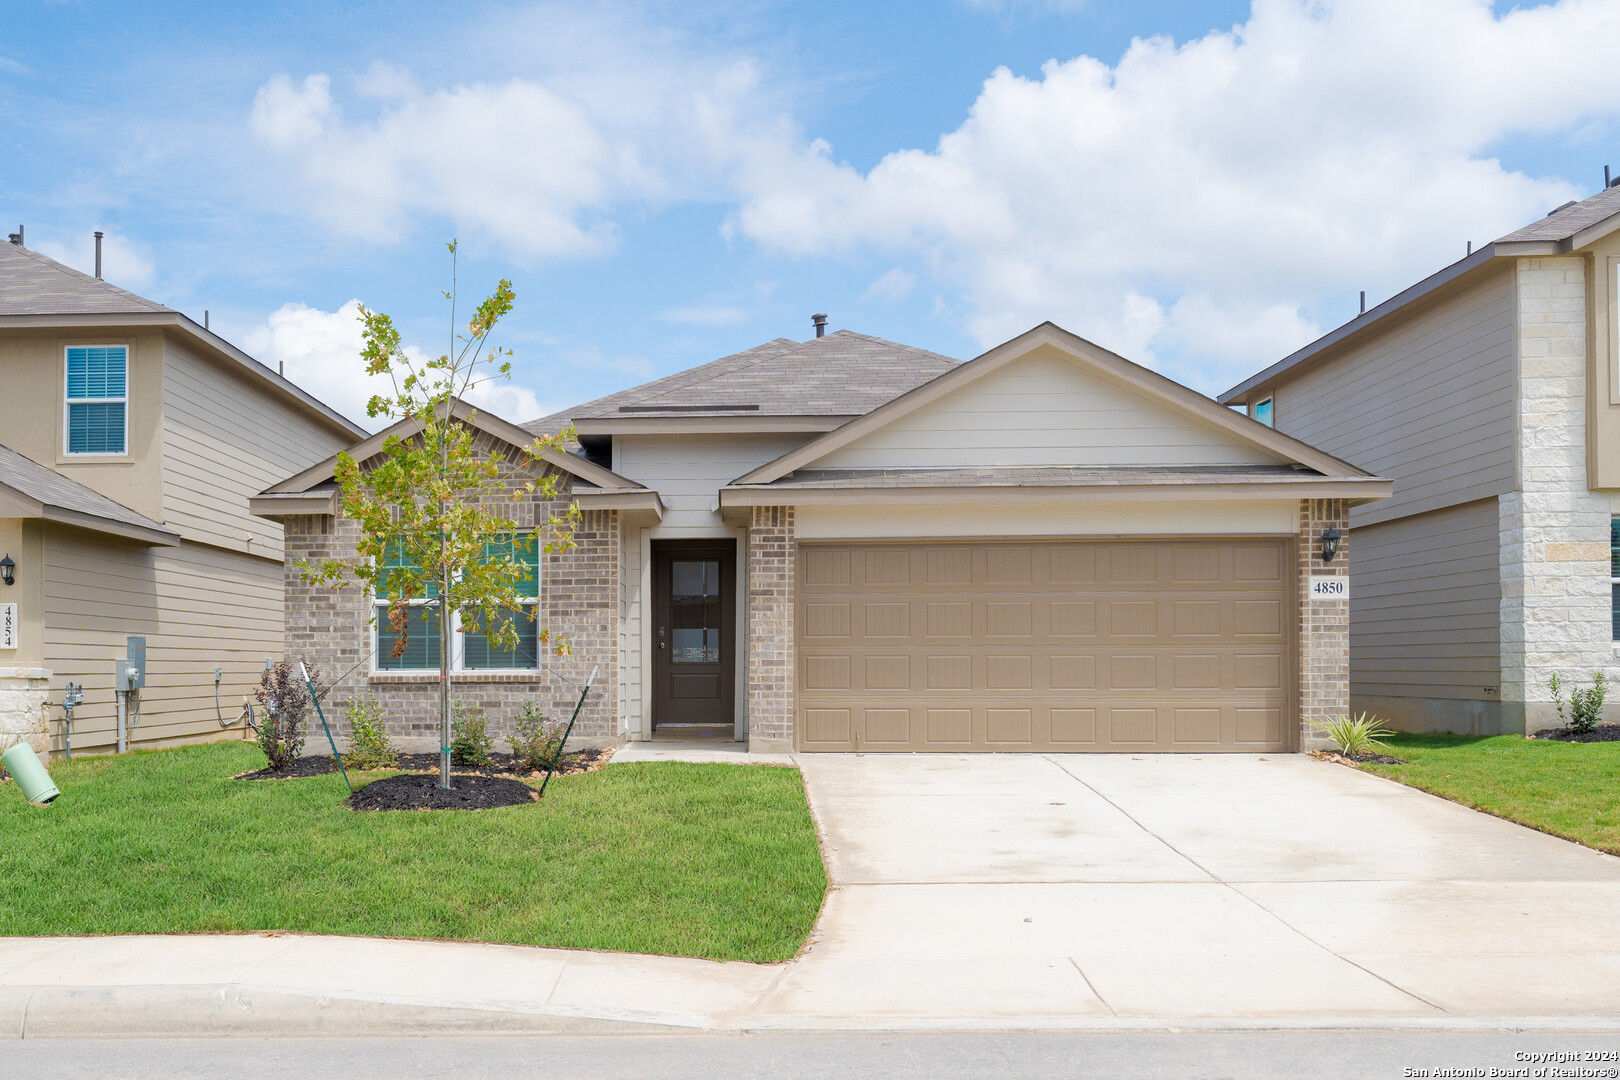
(130, 440)
(1490, 393)
(847, 544)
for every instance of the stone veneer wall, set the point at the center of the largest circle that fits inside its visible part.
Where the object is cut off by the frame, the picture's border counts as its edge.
(772, 574)
(23, 695)
(1323, 625)
(1554, 530)
(579, 599)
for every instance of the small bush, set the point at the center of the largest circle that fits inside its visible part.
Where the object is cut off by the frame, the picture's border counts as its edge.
(536, 740)
(1585, 706)
(369, 744)
(286, 702)
(1353, 734)
(470, 740)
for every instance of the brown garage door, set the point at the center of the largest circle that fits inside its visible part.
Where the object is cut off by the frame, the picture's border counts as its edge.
(1120, 645)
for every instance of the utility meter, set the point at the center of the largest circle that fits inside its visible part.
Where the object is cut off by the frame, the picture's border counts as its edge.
(130, 672)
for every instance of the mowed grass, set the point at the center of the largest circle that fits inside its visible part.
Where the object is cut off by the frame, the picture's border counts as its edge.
(716, 861)
(1567, 789)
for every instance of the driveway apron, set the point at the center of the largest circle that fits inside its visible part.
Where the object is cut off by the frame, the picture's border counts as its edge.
(1018, 887)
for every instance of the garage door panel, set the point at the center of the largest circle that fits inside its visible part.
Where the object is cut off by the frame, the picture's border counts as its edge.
(1064, 645)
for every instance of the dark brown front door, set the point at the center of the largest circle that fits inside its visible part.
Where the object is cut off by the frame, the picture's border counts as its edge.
(694, 632)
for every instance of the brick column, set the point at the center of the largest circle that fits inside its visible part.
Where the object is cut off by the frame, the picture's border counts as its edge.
(1323, 625)
(772, 572)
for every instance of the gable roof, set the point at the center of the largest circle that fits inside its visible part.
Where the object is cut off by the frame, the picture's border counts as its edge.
(45, 493)
(1164, 391)
(1567, 228)
(36, 290)
(312, 491)
(821, 383)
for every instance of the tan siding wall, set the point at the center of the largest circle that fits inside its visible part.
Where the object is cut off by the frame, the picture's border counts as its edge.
(198, 608)
(1043, 410)
(688, 472)
(1429, 404)
(224, 441)
(1425, 604)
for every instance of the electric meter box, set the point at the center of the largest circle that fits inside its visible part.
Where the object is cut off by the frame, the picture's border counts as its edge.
(130, 672)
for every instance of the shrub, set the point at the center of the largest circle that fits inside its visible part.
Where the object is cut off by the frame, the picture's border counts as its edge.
(369, 744)
(470, 740)
(1585, 706)
(1353, 734)
(536, 740)
(286, 703)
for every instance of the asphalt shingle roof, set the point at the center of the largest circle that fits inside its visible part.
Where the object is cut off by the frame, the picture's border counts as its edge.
(33, 284)
(1564, 223)
(51, 488)
(842, 374)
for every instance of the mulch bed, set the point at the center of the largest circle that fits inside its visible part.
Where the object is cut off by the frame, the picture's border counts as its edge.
(1356, 759)
(1601, 733)
(421, 791)
(500, 765)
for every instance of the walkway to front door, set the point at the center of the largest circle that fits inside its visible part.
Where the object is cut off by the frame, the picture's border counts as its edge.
(694, 637)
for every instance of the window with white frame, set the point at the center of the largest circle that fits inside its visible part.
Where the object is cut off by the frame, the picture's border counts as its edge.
(469, 651)
(1262, 411)
(97, 399)
(1614, 574)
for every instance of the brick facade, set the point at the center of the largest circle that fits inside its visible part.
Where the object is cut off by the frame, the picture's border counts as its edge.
(579, 600)
(1323, 626)
(772, 574)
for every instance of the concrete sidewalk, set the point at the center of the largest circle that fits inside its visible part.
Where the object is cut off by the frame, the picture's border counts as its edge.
(988, 892)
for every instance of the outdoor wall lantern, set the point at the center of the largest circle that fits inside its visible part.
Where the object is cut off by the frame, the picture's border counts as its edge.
(1330, 548)
(8, 571)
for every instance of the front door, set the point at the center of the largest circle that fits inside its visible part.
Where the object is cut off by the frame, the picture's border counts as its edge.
(694, 635)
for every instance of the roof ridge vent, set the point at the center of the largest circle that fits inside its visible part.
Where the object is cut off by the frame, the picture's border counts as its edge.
(1556, 209)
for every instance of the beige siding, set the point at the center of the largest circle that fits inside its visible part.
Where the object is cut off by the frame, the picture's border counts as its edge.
(198, 607)
(226, 440)
(1425, 599)
(1429, 404)
(1043, 410)
(688, 472)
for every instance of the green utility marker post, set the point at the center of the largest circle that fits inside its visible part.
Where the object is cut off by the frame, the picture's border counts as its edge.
(24, 766)
(313, 696)
(558, 755)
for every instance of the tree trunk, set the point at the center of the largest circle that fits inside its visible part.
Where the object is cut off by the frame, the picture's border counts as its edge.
(444, 671)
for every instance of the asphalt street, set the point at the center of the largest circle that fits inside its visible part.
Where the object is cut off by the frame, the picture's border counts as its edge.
(1295, 1055)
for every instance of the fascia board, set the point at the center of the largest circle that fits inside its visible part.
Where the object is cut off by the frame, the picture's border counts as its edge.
(291, 503)
(1358, 491)
(107, 526)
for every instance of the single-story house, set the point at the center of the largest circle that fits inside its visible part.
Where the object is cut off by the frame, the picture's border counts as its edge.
(1490, 393)
(130, 441)
(849, 544)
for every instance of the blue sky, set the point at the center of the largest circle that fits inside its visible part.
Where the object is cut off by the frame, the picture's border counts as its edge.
(1201, 186)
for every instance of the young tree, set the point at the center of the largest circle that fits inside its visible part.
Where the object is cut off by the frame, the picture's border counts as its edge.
(432, 510)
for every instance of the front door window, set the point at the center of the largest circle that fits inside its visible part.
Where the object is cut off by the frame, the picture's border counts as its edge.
(695, 611)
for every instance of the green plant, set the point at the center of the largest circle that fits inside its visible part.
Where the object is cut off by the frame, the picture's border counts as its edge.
(470, 740)
(1585, 706)
(369, 744)
(1353, 734)
(536, 740)
(286, 701)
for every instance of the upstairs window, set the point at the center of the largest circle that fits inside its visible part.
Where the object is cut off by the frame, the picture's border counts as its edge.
(469, 651)
(1262, 411)
(97, 399)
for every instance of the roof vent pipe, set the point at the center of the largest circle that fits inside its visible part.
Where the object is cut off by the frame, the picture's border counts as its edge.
(1364, 301)
(821, 324)
(205, 318)
(98, 254)
(16, 237)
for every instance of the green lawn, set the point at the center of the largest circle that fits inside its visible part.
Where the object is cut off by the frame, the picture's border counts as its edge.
(715, 861)
(1567, 789)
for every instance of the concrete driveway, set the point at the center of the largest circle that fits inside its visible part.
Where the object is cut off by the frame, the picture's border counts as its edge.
(1025, 888)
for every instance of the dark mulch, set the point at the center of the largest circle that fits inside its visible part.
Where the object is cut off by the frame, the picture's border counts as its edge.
(1373, 759)
(500, 765)
(421, 791)
(1601, 733)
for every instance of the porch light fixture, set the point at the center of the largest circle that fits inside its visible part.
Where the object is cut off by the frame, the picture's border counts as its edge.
(8, 571)
(1330, 545)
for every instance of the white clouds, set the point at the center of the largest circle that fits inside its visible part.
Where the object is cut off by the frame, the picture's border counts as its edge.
(891, 287)
(321, 351)
(1198, 198)
(123, 262)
